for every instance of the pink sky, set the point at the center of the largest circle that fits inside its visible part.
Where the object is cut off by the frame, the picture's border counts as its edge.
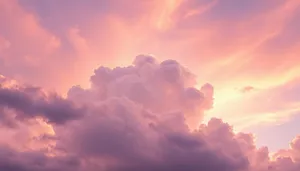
(247, 52)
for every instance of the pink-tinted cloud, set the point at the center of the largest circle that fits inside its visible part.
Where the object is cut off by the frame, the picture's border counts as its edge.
(229, 36)
(136, 118)
(230, 43)
(26, 46)
(261, 105)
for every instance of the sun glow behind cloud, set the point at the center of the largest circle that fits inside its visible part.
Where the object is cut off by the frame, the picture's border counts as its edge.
(171, 29)
(247, 50)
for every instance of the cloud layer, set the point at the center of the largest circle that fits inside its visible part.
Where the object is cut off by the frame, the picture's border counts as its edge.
(144, 116)
(248, 51)
(231, 44)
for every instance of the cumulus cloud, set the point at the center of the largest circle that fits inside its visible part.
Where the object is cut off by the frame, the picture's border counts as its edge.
(142, 117)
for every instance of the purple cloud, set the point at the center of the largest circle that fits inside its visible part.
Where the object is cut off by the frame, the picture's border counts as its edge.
(135, 118)
(30, 102)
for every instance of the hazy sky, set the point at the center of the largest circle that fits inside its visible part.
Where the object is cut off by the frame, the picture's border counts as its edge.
(240, 55)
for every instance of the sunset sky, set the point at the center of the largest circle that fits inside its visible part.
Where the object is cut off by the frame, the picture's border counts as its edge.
(116, 84)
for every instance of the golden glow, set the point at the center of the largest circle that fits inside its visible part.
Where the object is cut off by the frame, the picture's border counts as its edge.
(164, 20)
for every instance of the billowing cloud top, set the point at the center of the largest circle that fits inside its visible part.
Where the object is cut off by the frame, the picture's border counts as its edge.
(142, 117)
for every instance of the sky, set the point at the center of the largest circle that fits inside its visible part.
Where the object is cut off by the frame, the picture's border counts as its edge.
(121, 85)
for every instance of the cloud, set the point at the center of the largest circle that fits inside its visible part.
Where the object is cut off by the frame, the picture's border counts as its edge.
(135, 118)
(260, 106)
(160, 86)
(30, 102)
(218, 40)
(108, 33)
(247, 89)
(21, 60)
(12, 160)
